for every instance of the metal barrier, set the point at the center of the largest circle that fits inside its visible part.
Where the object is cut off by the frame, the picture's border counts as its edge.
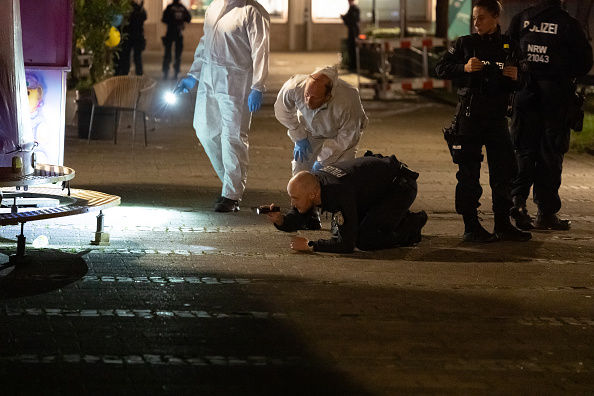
(387, 87)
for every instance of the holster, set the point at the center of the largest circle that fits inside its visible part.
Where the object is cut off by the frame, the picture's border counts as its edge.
(404, 173)
(452, 136)
(575, 113)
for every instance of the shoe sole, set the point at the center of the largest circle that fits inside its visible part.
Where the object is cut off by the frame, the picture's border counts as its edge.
(225, 209)
(551, 228)
(236, 209)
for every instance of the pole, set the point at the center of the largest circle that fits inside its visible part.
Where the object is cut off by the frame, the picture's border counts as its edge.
(402, 18)
(374, 14)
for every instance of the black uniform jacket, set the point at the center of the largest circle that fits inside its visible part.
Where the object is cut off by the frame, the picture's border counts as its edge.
(135, 26)
(175, 16)
(348, 190)
(553, 42)
(488, 86)
(351, 21)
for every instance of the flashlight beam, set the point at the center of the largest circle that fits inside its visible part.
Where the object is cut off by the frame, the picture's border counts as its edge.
(170, 98)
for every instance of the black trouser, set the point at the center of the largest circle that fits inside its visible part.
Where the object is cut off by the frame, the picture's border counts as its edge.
(385, 224)
(476, 132)
(136, 45)
(168, 40)
(352, 52)
(540, 134)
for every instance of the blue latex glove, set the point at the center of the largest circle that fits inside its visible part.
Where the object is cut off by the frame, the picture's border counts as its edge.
(185, 85)
(300, 150)
(317, 166)
(255, 100)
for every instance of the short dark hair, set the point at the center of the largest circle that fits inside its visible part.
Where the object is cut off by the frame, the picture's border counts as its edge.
(493, 6)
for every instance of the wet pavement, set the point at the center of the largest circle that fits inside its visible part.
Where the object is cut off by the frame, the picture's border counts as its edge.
(186, 301)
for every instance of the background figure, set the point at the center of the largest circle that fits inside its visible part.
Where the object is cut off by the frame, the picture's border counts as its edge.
(133, 40)
(558, 51)
(325, 118)
(231, 67)
(485, 65)
(175, 16)
(351, 21)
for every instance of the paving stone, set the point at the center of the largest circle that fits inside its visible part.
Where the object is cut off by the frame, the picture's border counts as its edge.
(187, 301)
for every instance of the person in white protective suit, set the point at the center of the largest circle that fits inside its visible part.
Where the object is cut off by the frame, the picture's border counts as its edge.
(325, 118)
(230, 67)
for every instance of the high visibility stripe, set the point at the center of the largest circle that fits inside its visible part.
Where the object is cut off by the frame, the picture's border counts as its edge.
(391, 44)
(409, 84)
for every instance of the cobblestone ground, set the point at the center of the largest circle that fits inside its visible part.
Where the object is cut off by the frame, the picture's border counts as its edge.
(186, 301)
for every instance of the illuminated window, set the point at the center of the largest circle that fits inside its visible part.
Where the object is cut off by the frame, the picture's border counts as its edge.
(197, 7)
(278, 9)
(327, 11)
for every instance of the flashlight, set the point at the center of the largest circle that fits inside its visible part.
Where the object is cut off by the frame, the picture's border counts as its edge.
(170, 98)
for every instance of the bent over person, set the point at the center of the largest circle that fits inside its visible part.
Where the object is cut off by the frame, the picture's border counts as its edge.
(325, 118)
(230, 67)
(485, 65)
(369, 198)
(558, 51)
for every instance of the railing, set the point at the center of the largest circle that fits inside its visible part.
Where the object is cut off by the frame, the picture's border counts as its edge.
(387, 86)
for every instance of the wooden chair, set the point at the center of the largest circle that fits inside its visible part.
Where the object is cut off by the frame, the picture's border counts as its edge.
(124, 93)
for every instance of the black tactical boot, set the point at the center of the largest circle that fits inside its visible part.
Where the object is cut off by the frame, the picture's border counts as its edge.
(474, 231)
(505, 231)
(226, 205)
(417, 221)
(550, 222)
(520, 214)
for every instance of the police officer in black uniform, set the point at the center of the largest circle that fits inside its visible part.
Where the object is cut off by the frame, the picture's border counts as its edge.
(369, 198)
(351, 20)
(175, 16)
(557, 52)
(485, 65)
(133, 40)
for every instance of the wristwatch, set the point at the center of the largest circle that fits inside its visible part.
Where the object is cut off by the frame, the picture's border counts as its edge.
(310, 244)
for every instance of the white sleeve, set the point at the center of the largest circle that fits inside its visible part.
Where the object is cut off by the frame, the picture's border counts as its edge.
(259, 36)
(196, 67)
(285, 111)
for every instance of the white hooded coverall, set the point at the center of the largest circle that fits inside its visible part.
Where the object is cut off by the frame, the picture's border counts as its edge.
(230, 61)
(333, 130)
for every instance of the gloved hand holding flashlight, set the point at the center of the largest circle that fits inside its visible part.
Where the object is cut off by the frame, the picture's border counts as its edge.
(317, 166)
(300, 150)
(255, 100)
(185, 85)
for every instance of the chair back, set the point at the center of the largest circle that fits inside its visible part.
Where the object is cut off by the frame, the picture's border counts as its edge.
(146, 94)
(120, 91)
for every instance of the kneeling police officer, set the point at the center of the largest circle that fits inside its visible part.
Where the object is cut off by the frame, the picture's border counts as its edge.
(369, 198)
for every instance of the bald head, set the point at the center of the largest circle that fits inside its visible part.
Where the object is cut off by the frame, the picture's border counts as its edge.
(305, 180)
(321, 79)
(318, 90)
(304, 190)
